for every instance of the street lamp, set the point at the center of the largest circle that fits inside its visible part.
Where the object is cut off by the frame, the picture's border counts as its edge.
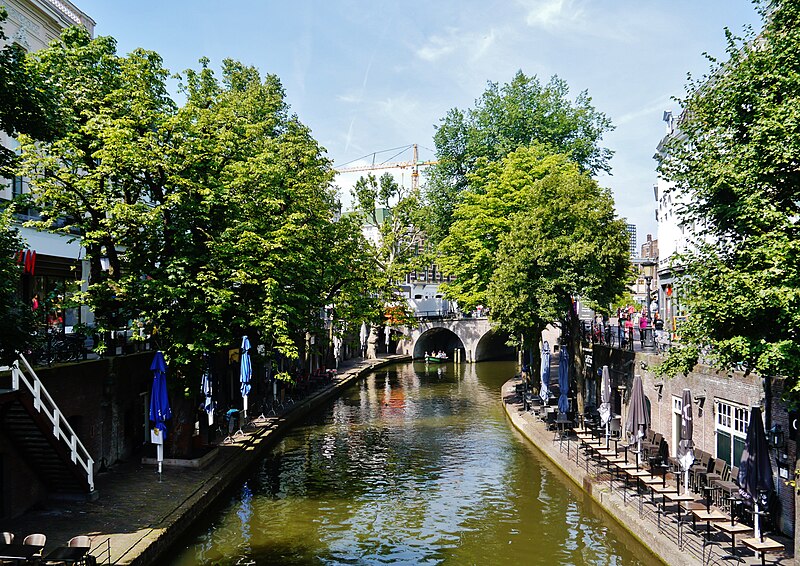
(649, 338)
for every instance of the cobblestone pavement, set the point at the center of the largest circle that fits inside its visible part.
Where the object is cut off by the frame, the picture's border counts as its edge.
(137, 517)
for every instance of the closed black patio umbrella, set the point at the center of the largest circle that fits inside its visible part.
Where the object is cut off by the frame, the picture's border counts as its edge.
(755, 469)
(638, 420)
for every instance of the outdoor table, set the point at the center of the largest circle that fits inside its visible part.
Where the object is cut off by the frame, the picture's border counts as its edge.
(709, 517)
(18, 552)
(679, 498)
(68, 554)
(732, 529)
(562, 424)
(762, 546)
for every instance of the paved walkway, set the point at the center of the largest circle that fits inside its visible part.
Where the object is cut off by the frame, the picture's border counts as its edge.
(137, 517)
(656, 531)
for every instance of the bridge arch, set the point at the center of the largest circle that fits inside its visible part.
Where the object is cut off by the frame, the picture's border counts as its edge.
(492, 346)
(474, 337)
(435, 339)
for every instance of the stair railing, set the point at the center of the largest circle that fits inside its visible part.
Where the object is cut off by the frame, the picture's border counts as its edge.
(45, 405)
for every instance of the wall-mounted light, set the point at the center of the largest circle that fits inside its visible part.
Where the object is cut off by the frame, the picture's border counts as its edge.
(659, 387)
(700, 401)
(775, 437)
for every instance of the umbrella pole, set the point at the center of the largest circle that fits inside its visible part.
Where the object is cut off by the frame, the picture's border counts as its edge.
(756, 522)
(160, 457)
(244, 416)
(608, 433)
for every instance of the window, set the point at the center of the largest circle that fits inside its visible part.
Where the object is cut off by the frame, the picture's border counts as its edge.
(17, 185)
(730, 427)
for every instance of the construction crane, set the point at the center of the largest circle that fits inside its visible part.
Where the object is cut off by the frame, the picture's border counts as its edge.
(414, 165)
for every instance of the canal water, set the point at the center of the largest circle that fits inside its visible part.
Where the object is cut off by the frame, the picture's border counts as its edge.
(416, 464)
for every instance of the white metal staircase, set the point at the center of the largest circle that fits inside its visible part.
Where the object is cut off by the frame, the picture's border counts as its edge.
(61, 434)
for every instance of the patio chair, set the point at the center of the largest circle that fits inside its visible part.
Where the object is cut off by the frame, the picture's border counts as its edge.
(706, 478)
(37, 540)
(726, 486)
(80, 541)
(7, 538)
(702, 463)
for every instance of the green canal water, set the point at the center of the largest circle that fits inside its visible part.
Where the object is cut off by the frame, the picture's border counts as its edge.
(415, 464)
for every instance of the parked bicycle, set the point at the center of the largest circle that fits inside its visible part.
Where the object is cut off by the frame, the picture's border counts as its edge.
(55, 346)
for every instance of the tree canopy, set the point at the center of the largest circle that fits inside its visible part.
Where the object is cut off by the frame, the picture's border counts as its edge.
(534, 234)
(520, 113)
(215, 219)
(735, 157)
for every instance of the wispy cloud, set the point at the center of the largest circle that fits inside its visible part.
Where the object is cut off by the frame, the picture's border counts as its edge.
(553, 14)
(454, 41)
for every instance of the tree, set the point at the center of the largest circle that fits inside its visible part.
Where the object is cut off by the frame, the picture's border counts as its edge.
(393, 214)
(520, 113)
(27, 104)
(736, 159)
(86, 179)
(217, 218)
(18, 323)
(26, 107)
(565, 242)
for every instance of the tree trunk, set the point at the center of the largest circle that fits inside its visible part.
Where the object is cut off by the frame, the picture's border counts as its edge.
(577, 376)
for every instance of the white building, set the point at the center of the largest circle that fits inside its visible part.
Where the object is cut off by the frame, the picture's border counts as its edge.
(59, 266)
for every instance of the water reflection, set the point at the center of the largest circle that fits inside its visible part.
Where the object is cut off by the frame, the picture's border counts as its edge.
(415, 465)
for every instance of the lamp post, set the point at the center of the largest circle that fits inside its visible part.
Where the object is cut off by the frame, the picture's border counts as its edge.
(649, 338)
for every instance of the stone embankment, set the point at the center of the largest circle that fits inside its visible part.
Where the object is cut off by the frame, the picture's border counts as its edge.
(138, 517)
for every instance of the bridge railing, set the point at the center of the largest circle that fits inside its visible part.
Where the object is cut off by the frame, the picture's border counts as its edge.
(445, 315)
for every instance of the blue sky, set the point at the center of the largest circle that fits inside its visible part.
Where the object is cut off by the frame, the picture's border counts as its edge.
(370, 75)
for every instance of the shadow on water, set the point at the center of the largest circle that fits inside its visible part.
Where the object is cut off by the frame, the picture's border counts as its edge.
(415, 464)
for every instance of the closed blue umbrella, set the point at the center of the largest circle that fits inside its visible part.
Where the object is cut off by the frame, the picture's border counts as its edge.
(245, 373)
(755, 469)
(544, 390)
(159, 405)
(563, 380)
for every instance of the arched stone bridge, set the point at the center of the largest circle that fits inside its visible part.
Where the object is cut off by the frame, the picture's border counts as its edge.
(474, 337)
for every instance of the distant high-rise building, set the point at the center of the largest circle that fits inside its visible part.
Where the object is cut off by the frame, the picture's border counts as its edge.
(632, 239)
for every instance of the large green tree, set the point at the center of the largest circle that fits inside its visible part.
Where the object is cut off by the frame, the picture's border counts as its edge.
(735, 160)
(534, 234)
(520, 113)
(214, 219)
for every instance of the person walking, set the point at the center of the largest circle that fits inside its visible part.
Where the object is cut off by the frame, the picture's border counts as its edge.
(629, 331)
(643, 322)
